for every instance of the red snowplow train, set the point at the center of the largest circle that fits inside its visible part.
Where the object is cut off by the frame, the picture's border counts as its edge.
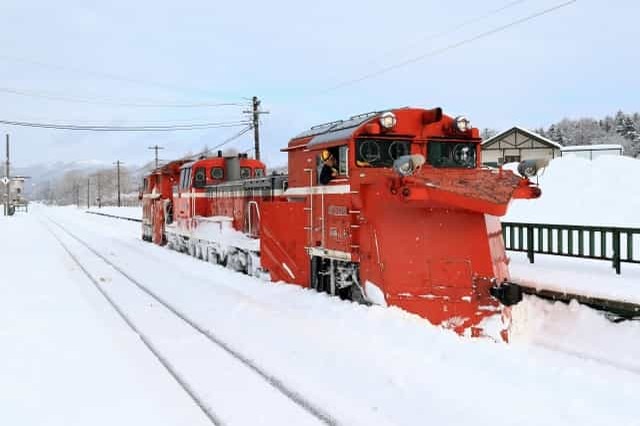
(407, 217)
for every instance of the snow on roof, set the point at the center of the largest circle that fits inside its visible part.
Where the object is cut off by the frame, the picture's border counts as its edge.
(599, 147)
(521, 130)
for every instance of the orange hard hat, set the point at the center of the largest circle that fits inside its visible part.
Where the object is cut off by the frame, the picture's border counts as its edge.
(325, 155)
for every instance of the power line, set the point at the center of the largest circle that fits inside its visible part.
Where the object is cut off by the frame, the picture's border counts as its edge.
(104, 75)
(206, 151)
(103, 128)
(220, 145)
(117, 120)
(228, 140)
(112, 102)
(448, 47)
(456, 28)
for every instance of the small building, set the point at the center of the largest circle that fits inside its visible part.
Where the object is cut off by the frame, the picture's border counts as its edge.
(591, 151)
(17, 197)
(517, 144)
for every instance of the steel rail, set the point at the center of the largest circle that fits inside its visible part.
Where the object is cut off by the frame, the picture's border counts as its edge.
(115, 216)
(276, 383)
(213, 418)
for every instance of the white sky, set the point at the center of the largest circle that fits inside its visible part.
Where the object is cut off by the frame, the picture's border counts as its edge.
(581, 60)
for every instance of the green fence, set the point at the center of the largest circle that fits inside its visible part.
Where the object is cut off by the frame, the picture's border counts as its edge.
(614, 244)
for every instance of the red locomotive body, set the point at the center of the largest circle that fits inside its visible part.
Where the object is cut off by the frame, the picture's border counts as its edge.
(156, 201)
(408, 219)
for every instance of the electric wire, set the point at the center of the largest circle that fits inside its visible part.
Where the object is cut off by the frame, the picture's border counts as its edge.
(228, 140)
(103, 128)
(204, 152)
(112, 102)
(451, 46)
(456, 28)
(107, 76)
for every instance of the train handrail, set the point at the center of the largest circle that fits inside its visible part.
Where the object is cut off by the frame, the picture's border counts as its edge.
(616, 244)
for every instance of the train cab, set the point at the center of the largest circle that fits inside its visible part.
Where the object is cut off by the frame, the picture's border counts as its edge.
(409, 218)
(208, 187)
(156, 194)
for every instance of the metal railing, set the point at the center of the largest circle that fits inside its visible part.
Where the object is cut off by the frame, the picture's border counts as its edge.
(615, 244)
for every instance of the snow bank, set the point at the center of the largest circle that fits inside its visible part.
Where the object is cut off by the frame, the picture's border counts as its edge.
(578, 331)
(604, 191)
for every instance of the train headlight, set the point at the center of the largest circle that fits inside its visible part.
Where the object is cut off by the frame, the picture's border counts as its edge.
(462, 124)
(530, 168)
(388, 120)
(408, 164)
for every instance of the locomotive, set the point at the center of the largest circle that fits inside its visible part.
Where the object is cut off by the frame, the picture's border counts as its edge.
(408, 217)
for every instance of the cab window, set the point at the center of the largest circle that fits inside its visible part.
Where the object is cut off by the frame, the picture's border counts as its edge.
(182, 178)
(341, 156)
(217, 173)
(200, 177)
(451, 154)
(380, 152)
(185, 178)
(343, 161)
(245, 172)
(258, 172)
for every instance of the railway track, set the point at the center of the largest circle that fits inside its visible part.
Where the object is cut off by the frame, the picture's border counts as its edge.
(303, 407)
(113, 216)
(617, 310)
(632, 367)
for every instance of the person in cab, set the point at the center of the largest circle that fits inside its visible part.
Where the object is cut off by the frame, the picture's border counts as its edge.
(328, 170)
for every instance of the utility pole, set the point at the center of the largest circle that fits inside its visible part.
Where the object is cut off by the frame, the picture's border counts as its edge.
(88, 193)
(156, 148)
(117, 163)
(255, 123)
(99, 198)
(7, 181)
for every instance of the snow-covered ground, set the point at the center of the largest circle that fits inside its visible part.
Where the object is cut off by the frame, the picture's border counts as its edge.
(68, 359)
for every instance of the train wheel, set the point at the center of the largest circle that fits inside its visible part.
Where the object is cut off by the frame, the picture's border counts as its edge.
(322, 275)
(357, 295)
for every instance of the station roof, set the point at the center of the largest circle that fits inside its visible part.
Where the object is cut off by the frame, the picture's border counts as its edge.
(523, 131)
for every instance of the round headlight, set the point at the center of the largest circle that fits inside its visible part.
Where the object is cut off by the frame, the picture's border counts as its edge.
(462, 124)
(388, 120)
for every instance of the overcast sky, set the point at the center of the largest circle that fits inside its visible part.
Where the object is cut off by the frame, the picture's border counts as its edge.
(581, 60)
